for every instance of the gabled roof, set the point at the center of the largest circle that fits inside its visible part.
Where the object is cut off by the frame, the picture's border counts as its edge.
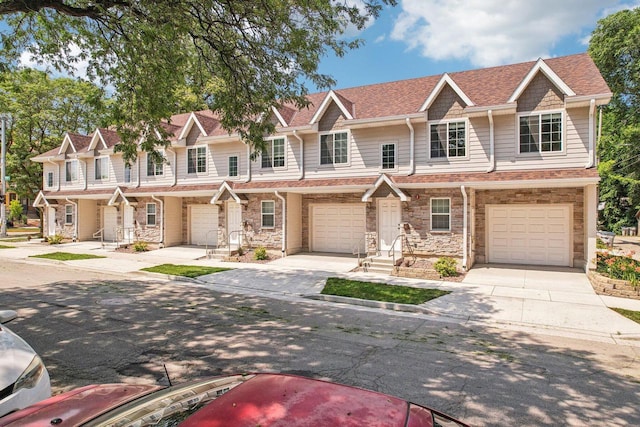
(445, 80)
(340, 101)
(193, 120)
(384, 179)
(74, 141)
(119, 197)
(103, 139)
(225, 187)
(541, 66)
(40, 201)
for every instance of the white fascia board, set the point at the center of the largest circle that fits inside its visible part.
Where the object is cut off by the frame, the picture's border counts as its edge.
(384, 179)
(66, 142)
(281, 120)
(40, 201)
(117, 193)
(331, 96)
(187, 127)
(445, 79)
(97, 137)
(216, 197)
(542, 66)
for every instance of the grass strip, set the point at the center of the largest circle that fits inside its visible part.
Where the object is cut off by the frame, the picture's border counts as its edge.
(380, 291)
(6, 247)
(184, 270)
(630, 314)
(66, 256)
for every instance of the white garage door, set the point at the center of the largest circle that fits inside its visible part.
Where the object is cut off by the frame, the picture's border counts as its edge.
(529, 234)
(204, 225)
(337, 228)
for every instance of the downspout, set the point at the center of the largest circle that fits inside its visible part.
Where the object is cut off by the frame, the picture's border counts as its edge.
(599, 130)
(138, 166)
(284, 223)
(57, 165)
(492, 144)
(295, 133)
(248, 163)
(86, 177)
(464, 227)
(75, 222)
(592, 138)
(412, 143)
(153, 197)
(175, 166)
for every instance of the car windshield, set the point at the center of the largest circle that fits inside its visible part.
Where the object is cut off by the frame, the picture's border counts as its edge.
(170, 406)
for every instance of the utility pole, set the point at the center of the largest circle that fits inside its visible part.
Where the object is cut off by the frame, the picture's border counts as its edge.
(3, 176)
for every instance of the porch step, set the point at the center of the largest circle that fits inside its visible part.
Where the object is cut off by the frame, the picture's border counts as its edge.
(218, 253)
(382, 265)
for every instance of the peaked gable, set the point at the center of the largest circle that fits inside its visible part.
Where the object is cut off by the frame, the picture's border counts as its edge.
(445, 80)
(541, 67)
(339, 101)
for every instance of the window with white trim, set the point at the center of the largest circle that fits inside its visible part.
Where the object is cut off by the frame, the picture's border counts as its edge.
(448, 139)
(68, 214)
(127, 172)
(197, 159)
(153, 168)
(334, 148)
(71, 170)
(151, 214)
(539, 133)
(101, 168)
(440, 214)
(233, 166)
(50, 179)
(273, 153)
(388, 156)
(268, 213)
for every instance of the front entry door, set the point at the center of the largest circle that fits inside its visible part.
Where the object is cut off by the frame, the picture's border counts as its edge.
(51, 221)
(110, 223)
(127, 225)
(234, 222)
(389, 218)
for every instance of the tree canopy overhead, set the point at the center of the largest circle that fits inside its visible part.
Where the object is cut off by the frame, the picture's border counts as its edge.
(241, 57)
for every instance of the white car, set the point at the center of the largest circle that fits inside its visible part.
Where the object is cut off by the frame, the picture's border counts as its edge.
(23, 378)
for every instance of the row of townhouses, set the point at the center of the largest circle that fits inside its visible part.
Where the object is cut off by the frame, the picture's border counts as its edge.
(495, 165)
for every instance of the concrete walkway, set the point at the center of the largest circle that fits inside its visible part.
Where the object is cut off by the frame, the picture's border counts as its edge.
(558, 302)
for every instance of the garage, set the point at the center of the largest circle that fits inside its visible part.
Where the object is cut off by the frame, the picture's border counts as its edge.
(204, 225)
(337, 228)
(529, 234)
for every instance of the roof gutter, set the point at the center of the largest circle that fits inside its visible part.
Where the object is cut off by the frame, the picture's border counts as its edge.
(75, 218)
(295, 133)
(284, 223)
(153, 197)
(592, 136)
(412, 144)
(492, 144)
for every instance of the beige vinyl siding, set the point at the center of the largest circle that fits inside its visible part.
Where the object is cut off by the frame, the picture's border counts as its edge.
(173, 221)
(165, 179)
(86, 217)
(219, 160)
(111, 181)
(46, 168)
(184, 177)
(73, 185)
(294, 223)
(575, 141)
(291, 169)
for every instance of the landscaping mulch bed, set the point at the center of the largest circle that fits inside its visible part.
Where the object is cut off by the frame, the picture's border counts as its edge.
(423, 269)
(248, 256)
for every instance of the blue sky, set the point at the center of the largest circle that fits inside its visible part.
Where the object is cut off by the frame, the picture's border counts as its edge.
(426, 37)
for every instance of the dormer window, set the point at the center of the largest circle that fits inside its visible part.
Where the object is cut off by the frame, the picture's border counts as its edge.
(153, 168)
(197, 159)
(71, 171)
(334, 148)
(540, 133)
(273, 153)
(101, 168)
(448, 139)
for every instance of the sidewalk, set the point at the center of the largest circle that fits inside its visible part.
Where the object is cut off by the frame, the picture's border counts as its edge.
(556, 302)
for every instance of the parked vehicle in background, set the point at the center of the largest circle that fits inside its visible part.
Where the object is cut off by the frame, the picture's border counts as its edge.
(24, 380)
(238, 400)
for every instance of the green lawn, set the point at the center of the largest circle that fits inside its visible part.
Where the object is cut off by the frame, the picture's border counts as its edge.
(23, 230)
(380, 291)
(66, 256)
(6, 247)
(184, 270)
(633, 315)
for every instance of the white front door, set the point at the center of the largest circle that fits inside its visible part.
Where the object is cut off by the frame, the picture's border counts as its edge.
(51, 221)
(109, 223)
(389, 217)
(234, 222)
(127, 223)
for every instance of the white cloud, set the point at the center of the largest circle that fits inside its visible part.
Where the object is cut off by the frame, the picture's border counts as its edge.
(78, 69)
(494, 32)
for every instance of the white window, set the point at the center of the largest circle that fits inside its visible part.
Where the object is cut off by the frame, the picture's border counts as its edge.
(127, 172)
(334, 148)
(388, 156)
(540, 133)
(268, 214)
(71, 170)
(273, 153)
(50, 179)
(68, 214)
(233, 166)
(101, 168)
(440, 214)
(153, 168)
(151, 214)
(197, 159)
(448, 139)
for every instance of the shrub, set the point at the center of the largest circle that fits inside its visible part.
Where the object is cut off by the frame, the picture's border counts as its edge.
(260, 254)
(446, 267)
(600, 244)
(140, 246)
(15, 210)
(55, 239)
(618, 267)
(240, 251)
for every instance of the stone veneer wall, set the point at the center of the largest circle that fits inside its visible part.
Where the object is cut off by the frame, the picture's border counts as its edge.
(573, 196)
(255, 235)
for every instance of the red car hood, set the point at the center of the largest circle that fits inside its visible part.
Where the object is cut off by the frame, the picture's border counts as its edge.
(77, 406)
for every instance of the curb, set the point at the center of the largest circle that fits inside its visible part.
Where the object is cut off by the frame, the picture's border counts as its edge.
(369, 303)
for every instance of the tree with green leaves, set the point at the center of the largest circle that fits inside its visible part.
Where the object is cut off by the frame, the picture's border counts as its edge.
(241, 57)
(40, 111)
(615, 48)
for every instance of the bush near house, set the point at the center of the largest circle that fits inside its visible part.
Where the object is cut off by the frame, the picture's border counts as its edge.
(446, 267)
(140, 246)
(260, 254)
(55, 239)
(618, 267)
